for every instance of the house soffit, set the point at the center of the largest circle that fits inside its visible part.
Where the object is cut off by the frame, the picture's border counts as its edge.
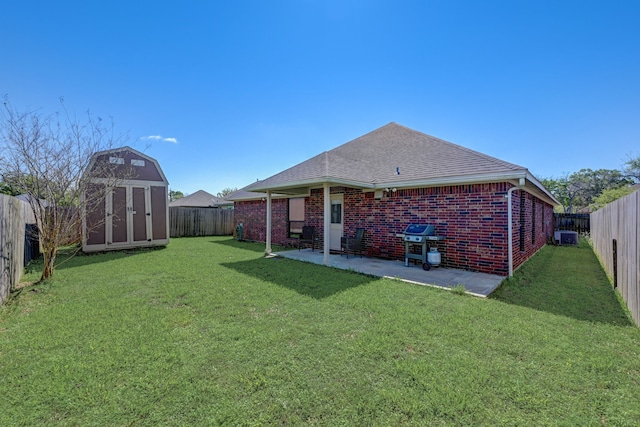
(304, 187)
(304, 190)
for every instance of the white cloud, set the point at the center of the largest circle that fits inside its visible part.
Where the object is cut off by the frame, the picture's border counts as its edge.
(160, 138)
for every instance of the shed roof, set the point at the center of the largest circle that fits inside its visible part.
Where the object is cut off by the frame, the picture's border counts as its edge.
(149, 170)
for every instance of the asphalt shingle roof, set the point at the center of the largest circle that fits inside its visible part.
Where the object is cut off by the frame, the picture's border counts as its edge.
(392, 153)
(393, 156)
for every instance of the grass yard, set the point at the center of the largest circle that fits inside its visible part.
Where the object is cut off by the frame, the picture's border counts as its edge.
(209, 332)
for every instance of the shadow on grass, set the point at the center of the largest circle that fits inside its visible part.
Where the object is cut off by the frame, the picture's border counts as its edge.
(316, 281)
(247, 245)
(243, 244)
(70, 257)
(567, 281)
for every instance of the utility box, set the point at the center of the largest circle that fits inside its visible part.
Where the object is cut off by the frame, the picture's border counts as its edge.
(566, 237)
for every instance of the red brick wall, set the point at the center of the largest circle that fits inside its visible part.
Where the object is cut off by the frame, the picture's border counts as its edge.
(253, 215)
(543, 226)
(472, 218)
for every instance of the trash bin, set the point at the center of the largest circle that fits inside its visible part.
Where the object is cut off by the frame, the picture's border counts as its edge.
(31, 243)
(239, 231)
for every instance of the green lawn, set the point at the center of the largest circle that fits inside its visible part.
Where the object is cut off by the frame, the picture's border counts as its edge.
(209, 332)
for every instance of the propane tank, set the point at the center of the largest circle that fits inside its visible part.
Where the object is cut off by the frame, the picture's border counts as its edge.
(433, 257)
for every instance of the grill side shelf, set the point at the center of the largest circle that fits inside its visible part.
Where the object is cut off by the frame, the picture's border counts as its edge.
(432, 238)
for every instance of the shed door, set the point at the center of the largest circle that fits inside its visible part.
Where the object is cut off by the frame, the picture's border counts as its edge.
(128, 218)
(139, 214)
(119, 217)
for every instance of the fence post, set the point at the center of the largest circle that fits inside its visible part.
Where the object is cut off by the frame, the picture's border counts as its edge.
(12, 237)
(615, 263)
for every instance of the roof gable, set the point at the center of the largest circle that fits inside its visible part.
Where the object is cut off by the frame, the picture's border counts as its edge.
(396, 153)
(145, 168)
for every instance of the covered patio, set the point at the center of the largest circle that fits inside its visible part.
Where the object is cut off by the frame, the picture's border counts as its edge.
(478, 284)
(395, 176)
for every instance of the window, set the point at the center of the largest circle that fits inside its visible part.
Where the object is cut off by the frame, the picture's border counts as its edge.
(116, 160)
(296, 216)
(336, 212)
(533, 221)
(137, 162)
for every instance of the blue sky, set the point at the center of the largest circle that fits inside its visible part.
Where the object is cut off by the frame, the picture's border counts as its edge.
(224, 93)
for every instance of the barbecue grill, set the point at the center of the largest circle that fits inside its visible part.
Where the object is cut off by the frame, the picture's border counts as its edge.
(417, 235)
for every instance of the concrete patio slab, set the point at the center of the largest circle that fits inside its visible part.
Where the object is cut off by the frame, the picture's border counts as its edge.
(478, 284)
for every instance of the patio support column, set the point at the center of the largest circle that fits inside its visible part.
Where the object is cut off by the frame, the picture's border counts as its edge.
(327, 223)
(268, 237)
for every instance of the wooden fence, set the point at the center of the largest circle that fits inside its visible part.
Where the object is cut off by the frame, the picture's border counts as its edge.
(12, 232)
(574, 222)
(616, 240)
(200, 222)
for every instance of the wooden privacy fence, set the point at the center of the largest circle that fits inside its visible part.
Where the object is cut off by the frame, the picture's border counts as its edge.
(200, 222)
(574, 222)
(12, 233)
(616, 240)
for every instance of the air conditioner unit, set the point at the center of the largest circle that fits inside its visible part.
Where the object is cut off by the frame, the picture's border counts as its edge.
(566, 237)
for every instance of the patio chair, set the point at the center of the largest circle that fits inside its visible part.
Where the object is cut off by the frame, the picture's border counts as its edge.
(308, 236)
(353, 244)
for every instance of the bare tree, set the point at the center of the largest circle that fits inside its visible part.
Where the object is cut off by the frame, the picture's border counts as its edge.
(226, 191)
(632, 168)
(46, 156)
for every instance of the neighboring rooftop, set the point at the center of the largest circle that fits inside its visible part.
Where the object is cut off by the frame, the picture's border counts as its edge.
(200, 199)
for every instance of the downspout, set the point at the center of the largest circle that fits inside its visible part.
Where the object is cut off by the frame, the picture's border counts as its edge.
(510, 223)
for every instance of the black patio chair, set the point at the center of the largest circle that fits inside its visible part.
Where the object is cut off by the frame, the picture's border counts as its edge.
(353, 244)
(308, 236)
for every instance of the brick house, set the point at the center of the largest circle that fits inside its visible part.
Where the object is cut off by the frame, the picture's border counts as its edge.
(392, 177)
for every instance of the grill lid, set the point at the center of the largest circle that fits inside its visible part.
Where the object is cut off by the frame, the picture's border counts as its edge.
(420, 229)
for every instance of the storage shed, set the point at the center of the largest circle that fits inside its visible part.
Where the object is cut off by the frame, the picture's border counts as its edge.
(126, 202)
